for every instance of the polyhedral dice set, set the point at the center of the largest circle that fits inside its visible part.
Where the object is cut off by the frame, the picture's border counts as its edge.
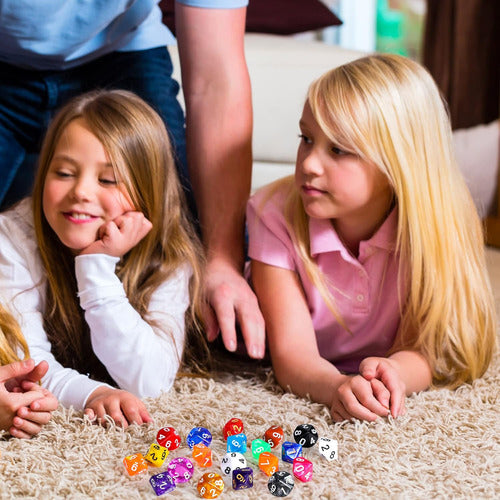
(234, 470)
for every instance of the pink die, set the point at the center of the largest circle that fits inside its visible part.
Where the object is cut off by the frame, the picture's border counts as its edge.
(181, 469)
(302, 469)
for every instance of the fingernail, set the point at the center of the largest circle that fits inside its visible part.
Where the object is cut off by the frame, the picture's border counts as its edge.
(231, 346)
(255, 352)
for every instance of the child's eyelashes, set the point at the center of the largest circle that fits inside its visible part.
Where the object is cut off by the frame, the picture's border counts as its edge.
(339, 152)
(108, 182)
(305, 139)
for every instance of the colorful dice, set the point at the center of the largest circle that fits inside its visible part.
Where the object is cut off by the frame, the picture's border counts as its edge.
(135, 464)
(258, 446)
(199, 435)
(281, 483)
(232, 461)
(274, 435)
(302, 469)
(162, 483)
(168, 438)
(268, 463)
(289, 451)
(242, 478)
(328, 448)
(210, 485)
(181, 469)
(305, 435)
(233, 426)
(156, 455)
(237, 442)
(202, 455)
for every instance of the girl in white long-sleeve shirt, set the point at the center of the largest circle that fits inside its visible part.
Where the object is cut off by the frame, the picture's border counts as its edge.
(102, 264)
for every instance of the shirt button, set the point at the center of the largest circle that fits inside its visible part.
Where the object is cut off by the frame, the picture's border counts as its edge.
(360, 298)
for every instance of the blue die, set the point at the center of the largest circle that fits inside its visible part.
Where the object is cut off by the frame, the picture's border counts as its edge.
(289, 451)
(199, 435)
(162, 483)
(237, 442)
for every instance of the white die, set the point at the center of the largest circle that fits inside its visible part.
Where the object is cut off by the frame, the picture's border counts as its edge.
(231, 461)
(329, 448)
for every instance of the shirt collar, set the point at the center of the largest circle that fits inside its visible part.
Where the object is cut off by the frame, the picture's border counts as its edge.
(324, 238)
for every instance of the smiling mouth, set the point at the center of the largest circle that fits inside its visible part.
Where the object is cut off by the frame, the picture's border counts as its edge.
(80, 217)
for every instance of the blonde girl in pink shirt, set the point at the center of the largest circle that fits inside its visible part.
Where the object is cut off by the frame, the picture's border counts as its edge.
(369, 263)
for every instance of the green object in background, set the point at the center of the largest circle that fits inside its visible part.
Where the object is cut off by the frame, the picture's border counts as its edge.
(390, 30)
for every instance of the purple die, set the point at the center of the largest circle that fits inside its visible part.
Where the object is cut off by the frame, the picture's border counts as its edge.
(242, 478)
(237, 442)
(289, 451)
(162, 483)
(199, 435)
(181, 469)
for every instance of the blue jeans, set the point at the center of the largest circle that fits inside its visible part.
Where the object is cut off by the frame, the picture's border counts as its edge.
(29, 100)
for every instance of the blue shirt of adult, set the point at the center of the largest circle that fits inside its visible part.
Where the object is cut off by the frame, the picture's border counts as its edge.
(57, 35)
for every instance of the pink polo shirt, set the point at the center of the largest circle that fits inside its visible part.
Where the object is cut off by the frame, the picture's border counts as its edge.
(364, 289)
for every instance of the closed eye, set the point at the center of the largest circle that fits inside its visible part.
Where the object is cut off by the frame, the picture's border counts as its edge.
(108, 182)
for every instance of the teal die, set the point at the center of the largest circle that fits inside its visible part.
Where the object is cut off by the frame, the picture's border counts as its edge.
(237, 442)
(290, 451)
(258, 447)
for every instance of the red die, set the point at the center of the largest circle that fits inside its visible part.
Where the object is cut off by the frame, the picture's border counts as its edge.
(274, 435)
(135, 464)
(302, 469)
(232, 427)
(168, 438)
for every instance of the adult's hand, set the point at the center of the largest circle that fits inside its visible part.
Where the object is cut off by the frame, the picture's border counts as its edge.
(231, 301)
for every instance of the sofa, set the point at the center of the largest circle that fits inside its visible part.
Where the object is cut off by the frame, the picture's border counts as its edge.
(281, 69)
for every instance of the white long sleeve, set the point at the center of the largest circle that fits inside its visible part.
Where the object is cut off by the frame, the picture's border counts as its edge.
(141, 359)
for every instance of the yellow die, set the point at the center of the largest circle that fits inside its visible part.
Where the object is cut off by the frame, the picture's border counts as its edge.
(156, 454)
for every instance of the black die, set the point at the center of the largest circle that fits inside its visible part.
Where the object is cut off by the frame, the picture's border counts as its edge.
(280, 484)
(305, 435)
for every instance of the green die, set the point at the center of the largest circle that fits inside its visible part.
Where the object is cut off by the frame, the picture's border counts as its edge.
(258, 447)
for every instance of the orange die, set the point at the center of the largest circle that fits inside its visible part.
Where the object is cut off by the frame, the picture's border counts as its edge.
(156, 454)
(210, 485)
(274, 435)
(135, 464)
(268, 463)
(202, 455)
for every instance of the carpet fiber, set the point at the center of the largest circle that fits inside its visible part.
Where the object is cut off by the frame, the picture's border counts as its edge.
(446, 446)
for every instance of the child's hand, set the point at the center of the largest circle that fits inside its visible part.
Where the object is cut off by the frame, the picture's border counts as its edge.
(120, 235)
(357, 397)
(16, 396)
(25, 371)
(122, 406)
(384, 370)
(29, 420)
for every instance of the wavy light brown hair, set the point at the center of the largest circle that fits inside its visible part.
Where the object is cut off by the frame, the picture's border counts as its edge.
(388, 110)
(137, 144)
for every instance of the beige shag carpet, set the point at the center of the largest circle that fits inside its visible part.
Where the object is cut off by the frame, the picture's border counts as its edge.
(447, 446)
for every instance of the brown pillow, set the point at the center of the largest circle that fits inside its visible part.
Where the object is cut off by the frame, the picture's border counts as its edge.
(283, 17)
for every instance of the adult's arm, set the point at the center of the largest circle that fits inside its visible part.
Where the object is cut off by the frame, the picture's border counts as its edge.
(217, 93)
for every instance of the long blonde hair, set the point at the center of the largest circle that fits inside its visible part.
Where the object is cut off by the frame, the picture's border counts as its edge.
(11, 339)
(388, 110)
(136, 141)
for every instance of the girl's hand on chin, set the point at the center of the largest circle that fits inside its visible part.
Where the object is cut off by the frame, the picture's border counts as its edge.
(120, 235)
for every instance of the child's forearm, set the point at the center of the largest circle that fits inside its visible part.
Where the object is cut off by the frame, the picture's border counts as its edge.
(413, 369)
(316, 378)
